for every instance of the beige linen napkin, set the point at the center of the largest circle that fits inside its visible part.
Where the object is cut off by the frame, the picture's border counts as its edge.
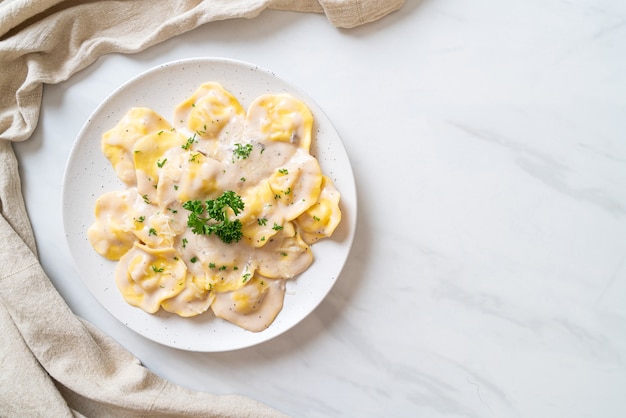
(52, 363)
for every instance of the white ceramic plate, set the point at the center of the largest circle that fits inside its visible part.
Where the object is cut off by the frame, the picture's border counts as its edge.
(88, 174)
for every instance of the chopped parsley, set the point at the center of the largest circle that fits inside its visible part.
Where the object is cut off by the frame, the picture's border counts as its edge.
(161, 163)
(277, 227)
(283, 171)
(157, 269)
(242, 151)
(189, 142)
(193, 259)
(152, 231)
(245, 277)
(262, 221)
(202, 131)
(141, 219)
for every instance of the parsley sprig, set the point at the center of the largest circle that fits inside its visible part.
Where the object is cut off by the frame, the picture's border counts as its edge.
(216, 220)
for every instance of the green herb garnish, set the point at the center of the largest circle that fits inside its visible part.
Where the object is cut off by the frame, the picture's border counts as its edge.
(216, 220)
(189, 142)
(242, 151)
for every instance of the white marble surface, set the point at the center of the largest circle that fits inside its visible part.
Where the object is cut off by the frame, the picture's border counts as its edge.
(488, 276)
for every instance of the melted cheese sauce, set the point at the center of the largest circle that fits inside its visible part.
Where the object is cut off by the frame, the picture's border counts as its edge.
(289, 204)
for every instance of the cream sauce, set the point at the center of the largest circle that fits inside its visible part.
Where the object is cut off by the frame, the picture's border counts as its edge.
(214, 145)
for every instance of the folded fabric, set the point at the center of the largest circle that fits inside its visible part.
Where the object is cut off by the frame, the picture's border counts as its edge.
(52, 363)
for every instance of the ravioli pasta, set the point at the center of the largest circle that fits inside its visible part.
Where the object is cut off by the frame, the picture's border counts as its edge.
(213, 145)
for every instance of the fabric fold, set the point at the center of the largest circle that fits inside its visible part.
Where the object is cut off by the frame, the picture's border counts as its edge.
(12, 207)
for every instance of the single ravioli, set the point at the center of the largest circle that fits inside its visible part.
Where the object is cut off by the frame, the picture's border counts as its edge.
(285, 255)
(111, 234)
(150, 155)
(253, 307)
(195, 298)
(147, 276)
(213, 117)
(117, 144)
(280, 118)
(286, 192)
(322, 218)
